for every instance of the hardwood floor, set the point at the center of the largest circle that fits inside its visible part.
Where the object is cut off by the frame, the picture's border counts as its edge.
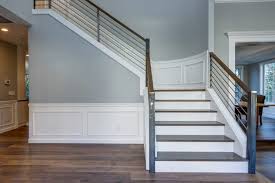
(266, 132)
(66, 163)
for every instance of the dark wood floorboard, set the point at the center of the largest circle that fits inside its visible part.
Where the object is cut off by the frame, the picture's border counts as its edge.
(21, 162)
(267, 130)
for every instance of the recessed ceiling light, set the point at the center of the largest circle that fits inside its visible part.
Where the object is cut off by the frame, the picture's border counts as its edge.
(27, 55)
(4, 29)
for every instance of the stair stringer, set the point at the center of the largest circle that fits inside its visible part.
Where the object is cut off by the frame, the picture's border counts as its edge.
(137, 71)
(232, 128)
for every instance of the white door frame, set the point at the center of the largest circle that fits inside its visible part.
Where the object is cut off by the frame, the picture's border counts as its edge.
(244, 37)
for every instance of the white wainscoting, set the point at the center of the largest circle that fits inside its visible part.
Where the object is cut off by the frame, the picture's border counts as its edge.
(13, 114)
(181, 74)
(7, 116)
(87, 123)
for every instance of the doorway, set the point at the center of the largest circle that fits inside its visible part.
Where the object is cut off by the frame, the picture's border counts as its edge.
(14, 78)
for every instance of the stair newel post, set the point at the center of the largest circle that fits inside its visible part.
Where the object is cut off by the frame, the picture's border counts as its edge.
(152, 137)
(98, 24)
(251, 131)
(147, 59)
(50, 4)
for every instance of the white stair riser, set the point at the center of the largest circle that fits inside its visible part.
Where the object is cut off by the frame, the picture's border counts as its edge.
(185, 116)
(182, 105)
(195, 146)
(180, 95)
(202, 166)
(190, 130)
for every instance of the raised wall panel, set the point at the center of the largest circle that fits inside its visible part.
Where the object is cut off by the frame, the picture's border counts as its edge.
(180, 74)
(7, 116)
(57, 123)
(113, 123)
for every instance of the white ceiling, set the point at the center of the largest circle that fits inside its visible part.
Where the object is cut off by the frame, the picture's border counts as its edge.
(17, 34)
(250, 53)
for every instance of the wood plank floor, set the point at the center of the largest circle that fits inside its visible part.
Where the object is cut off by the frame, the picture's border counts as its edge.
(66, 163)
(266, 132)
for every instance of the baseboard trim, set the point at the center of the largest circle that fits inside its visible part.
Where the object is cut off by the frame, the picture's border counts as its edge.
(84, 141)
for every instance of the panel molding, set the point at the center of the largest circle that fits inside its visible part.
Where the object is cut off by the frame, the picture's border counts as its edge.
(177, 74)
(109, 123)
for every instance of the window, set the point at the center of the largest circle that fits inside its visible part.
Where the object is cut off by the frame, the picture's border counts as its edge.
(269, 82)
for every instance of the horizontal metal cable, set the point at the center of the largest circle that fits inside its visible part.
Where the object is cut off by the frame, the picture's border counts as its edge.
(225, 92)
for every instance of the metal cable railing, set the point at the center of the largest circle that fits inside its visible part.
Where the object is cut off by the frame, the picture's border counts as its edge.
(240, 102)
(101, 26)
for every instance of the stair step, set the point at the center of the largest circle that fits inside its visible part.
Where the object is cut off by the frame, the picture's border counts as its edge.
(185, 115)
(198, 156)
(181, 90)
(188, 123)
(185, 111)
(180, 95)
(183, 105)
(193, 138)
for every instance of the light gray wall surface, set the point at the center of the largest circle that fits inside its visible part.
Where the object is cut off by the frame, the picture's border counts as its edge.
(8, 69)
(177, 28)
(65, 68)
(230, 17)
(251, 76)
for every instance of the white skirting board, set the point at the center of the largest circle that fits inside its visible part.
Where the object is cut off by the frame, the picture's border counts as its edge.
(86, 123)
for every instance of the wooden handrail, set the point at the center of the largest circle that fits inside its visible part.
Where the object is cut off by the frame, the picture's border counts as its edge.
(149, 76)
(230, 73)
(116, 20)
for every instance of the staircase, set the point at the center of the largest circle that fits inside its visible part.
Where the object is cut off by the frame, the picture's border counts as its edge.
(194, 130)
(188, 136)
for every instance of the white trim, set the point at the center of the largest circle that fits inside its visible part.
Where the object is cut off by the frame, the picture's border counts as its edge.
(243, 37)
(243, 1)
(137, 71)
(108, 123)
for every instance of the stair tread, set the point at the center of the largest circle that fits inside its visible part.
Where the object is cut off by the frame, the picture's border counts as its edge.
(198, 156)
(188, 123)
(193, 138)
(187, 110)
(180, 90)
(183, 100)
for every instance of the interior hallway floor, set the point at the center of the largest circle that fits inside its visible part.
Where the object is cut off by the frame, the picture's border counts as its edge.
(266, 132)
(66, 163)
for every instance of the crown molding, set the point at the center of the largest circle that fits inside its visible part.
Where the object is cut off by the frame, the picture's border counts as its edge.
(243, 1)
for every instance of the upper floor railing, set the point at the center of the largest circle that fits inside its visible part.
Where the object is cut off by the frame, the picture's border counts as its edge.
(102, 26)
(240, 101)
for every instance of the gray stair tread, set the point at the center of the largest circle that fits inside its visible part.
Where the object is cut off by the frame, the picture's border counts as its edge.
(193, 138)
(183, 100)
(186, 111)
(198, 156)
(180, 90)
(188, 123)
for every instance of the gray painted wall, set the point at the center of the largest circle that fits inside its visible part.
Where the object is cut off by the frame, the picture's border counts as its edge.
(241, 17)
(8, 69)
(65, 68)
(252, 76)
(177, 28)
